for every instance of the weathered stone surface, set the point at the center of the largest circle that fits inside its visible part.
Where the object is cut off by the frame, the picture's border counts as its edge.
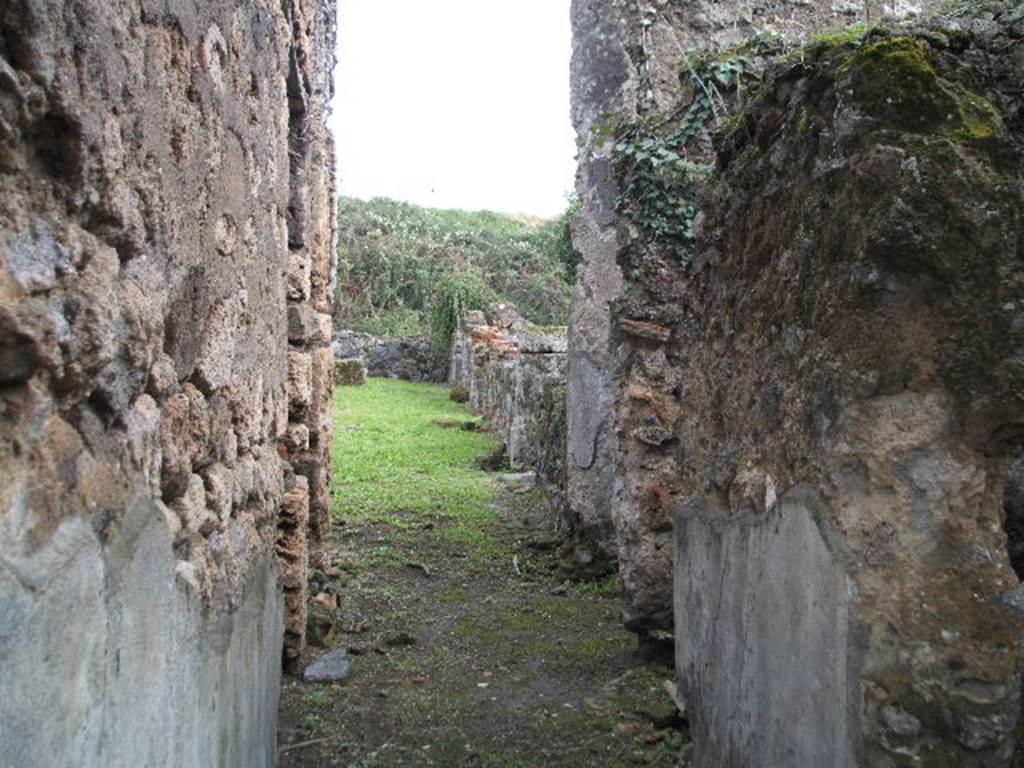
(407, 357)
(849, 408)
(535, 340)
(520, 393)
(644, 330)
(308, 327)
(833, 372)
(621, 453)
(1013, 510)
(349, 372)
(773, 668)
(293, 556)
(323, 626)
(332, 667)
(300, 384)
(97, 633)
(151, 160)
(315, 463)
(603, 83)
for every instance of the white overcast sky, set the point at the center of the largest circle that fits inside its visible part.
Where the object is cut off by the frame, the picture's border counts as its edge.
(455, 103)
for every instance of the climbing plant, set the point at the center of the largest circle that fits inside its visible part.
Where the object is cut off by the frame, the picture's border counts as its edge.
(661, 191)
(456, 295)
(660, 181)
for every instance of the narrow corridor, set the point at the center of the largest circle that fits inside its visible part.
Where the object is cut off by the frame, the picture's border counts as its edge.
(466, 646)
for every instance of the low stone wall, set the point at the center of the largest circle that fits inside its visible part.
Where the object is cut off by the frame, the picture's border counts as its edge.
(349, 372)
(514, 374)
(410, 358)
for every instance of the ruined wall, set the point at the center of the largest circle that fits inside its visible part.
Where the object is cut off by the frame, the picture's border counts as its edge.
(852, 403)
(165, 199)
(410, 358)
(514, 375)
(311, 264)
(825, 397)
(621, 475)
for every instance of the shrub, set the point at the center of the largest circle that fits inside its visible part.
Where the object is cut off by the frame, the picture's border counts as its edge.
(393, 257)
(459, 393)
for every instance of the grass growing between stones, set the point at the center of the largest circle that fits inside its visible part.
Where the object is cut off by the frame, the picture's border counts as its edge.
(466, 651)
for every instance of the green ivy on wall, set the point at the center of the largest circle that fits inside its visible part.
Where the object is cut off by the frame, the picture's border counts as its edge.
(660, 180)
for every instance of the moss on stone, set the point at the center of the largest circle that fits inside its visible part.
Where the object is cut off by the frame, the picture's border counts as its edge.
(804, 126)
(895, 80)
(852, 33)
(548, 328)
(350, 372)
(979, 119)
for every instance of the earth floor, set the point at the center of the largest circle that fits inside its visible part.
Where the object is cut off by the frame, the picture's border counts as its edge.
(467, 648)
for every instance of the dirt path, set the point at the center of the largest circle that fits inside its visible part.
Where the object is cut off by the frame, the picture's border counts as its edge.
(467, 649)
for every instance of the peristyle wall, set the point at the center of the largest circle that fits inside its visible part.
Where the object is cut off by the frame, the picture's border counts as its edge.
(513, 373)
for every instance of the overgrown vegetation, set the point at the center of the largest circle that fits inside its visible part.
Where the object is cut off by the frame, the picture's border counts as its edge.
(457, 295)
(661, 161)
(400, 265)
(851, 34)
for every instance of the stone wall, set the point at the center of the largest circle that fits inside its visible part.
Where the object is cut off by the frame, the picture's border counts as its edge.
(1013, 508)
(165, 244)
(312, 258)
(826, 401)
(411, 358)
(626, 67)
(514, 375)
(860, 296)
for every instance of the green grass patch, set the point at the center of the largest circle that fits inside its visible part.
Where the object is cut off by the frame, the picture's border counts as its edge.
(454, 595)
(317, 698)
(592, 650)
(394, 465)
(520, 620)
(609, 586)
(485, 549)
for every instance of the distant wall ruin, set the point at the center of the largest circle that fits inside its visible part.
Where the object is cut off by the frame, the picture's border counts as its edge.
(409, 358)
(166, 226)
(513, 373)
